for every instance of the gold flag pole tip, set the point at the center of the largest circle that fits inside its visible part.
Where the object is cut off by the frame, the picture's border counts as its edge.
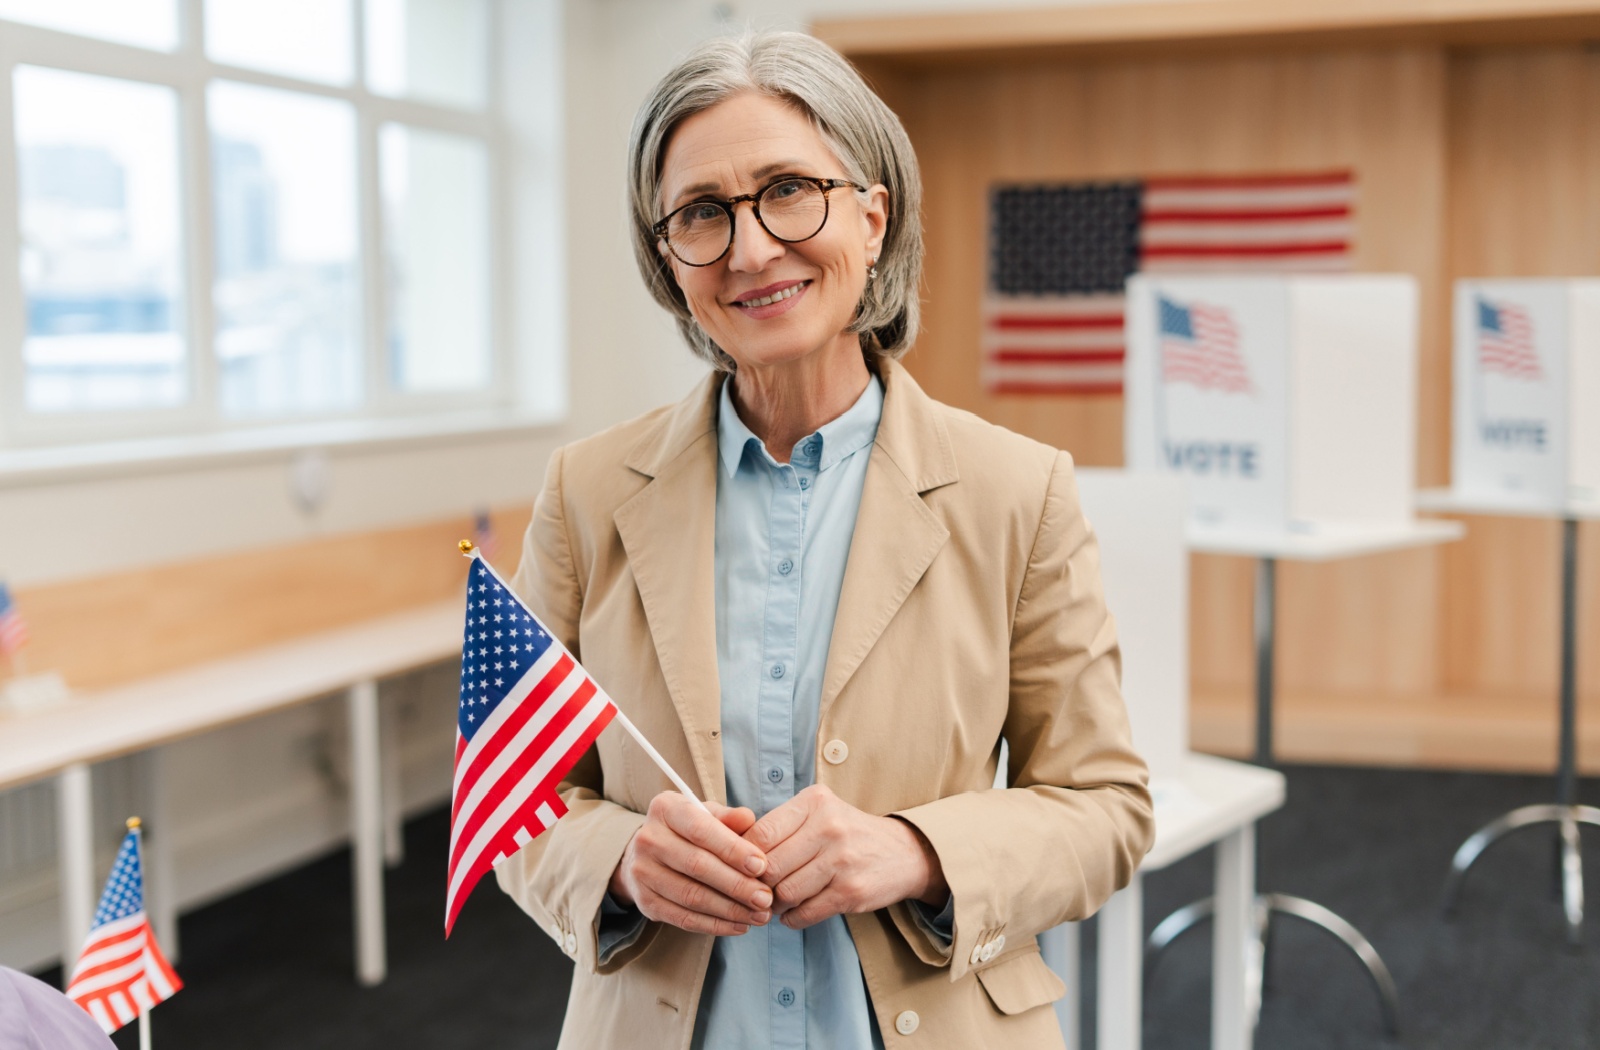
(133, 823)
(466, 547)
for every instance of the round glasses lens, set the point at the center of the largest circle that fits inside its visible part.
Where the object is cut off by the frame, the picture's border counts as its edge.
(793, 210)
(698, 233)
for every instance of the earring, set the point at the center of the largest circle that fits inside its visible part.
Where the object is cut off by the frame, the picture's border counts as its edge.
(872, 269)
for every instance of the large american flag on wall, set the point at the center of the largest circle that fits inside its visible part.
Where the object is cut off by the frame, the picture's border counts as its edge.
(1059, 256)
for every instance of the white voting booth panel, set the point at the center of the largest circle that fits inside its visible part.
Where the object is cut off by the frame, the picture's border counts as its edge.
(1290, 402)
(1527, 391)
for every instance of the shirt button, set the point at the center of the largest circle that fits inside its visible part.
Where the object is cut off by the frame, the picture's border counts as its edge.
(786, 997)
(777, 670)
(813, 446)
(785, 567)
(805, 482)
(907, 1022)
(775, 775)
(835, 751)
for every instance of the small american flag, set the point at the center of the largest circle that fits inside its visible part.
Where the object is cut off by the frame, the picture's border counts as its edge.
(1505, 341)
(13, 629)
(528, 712)
(121, 970)
(1060, 256)
(1200, 346)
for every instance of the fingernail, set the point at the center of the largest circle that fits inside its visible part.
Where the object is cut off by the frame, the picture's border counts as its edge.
(756, 865)
(762, 917)
(761, 898)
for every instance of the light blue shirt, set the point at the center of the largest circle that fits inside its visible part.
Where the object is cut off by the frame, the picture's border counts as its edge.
(782, 541)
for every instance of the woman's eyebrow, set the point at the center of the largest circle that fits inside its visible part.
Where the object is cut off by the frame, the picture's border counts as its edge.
(760, 174)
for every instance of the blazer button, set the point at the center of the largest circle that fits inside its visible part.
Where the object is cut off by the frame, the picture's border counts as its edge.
(835, 751)
(907, 1022)
(977, 954)
(555, 931)
(1000, 944)
(571, 945)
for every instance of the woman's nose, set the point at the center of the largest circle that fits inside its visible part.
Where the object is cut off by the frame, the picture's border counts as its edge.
(753, 247)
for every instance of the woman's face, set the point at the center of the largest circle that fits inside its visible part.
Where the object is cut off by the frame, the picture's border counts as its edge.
(740, 146)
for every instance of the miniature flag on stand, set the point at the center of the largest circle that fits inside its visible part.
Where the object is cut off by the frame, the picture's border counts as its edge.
(528, 712)
(13, 631)
(1505, 341)
(121, 973)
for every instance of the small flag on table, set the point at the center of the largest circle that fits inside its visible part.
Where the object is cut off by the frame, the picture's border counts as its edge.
(13, 630)
(528, 712)
(121, 973)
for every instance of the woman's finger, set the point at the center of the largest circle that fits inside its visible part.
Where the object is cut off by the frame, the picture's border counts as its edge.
(697, 897)
(657, 908)
(701, 828)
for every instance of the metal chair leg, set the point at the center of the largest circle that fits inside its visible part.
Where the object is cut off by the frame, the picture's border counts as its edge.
(1317, 915)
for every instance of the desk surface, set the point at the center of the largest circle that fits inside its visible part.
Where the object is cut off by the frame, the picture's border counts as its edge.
(1324, 544)
(1450, 501)
(95, 726)
(1209, 798)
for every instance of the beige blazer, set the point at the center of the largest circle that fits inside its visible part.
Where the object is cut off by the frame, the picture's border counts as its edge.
(971, 609)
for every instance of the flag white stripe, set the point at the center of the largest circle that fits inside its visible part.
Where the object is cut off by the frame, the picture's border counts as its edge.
(143, 997)
(1332, 261)
(503, 710)
(1053, 372)
(525, 787)
(109, 979)
(1323, 195)
(102, 1016)
(93, 957)
(511, 751)
(1162, 234)
(1056, 339)
(1054, 306)
(157, 976)
(121, 1007)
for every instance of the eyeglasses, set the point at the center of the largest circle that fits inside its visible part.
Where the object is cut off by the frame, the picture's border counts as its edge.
(792, 209)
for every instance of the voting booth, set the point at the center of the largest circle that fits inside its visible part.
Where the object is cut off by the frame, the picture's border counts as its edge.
(1527, 392)
(1289, 402)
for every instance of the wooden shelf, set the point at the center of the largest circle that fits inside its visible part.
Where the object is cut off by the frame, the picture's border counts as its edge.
(1123, 29)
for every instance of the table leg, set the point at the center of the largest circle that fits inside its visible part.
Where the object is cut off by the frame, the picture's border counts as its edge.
(1236, 950)
(394, 843)
(75, 850)
(161, 886)
(366, 818)
(1059, 947)
(1121, 969)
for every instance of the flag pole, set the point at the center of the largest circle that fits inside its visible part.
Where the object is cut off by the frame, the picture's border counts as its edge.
(136, 826)
(468, 548)
(144, 1029)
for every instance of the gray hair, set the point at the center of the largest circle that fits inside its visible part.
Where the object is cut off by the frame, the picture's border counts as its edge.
(863, 133)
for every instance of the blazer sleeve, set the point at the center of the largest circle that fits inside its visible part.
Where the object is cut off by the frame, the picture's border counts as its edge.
(1076, 821)
(560, 877)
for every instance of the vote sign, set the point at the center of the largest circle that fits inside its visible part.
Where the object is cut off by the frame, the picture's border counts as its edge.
(1526, 386)
(1288, 401)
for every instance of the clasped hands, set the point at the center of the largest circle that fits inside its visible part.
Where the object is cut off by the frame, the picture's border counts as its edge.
(814, 857)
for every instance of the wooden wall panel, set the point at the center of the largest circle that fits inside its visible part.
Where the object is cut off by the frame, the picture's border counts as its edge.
(117, 628)
(1367, 625)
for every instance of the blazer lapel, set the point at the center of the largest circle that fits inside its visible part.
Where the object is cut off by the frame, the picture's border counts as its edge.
(896, 536)
(669, 531)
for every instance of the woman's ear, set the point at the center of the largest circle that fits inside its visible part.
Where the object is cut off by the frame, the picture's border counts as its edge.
(875, 213)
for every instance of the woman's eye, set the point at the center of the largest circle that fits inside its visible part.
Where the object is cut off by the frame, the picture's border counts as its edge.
(786, 189)
(699, 214)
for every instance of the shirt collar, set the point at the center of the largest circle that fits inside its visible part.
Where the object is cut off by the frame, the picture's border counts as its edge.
(850, 432)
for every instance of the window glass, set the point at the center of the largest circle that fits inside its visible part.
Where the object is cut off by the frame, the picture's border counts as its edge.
(436, 234)
(283, 174)
(297, 38)
(430, 50)
(143, 23)
(102, 266)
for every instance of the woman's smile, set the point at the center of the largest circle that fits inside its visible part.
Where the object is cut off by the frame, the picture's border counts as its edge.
(771, 300)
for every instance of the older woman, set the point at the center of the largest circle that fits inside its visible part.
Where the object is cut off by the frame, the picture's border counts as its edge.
(827, 599)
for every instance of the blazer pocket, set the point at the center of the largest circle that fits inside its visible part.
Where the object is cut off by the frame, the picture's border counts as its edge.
(1021, 982)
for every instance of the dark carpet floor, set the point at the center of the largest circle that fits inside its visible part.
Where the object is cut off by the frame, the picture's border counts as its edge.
(271, 968)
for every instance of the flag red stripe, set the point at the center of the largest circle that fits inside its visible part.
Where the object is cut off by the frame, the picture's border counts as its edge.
(1023, 321)
(1249, 215)
(508, 729)
(1240, 182)
(1087, 389)
(1310, 248)
(1047, 356)
(519, 767)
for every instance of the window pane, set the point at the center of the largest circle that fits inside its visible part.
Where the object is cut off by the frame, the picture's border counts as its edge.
(283, 174)
(101, 257)
(436, 229)
(297, 38)
(143, 23)
(432, 50)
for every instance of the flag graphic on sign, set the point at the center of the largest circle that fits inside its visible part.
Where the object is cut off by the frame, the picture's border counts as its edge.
(1505, 341)
(121, 971)
(13, 630)
(1060, 256)
(1200, 346)
(527, 713)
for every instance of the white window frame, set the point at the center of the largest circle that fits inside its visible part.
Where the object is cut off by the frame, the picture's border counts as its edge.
(34, 441)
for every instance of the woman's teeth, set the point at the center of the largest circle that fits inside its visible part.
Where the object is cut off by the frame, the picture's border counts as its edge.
(775, 297)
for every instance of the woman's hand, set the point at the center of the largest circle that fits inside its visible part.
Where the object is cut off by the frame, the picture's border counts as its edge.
(825, 857)
(694, 871)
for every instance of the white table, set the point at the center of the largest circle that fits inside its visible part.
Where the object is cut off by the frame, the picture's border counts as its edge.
(1266, 546)
(1565, 813)
(65, 740)
(1213, 800)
